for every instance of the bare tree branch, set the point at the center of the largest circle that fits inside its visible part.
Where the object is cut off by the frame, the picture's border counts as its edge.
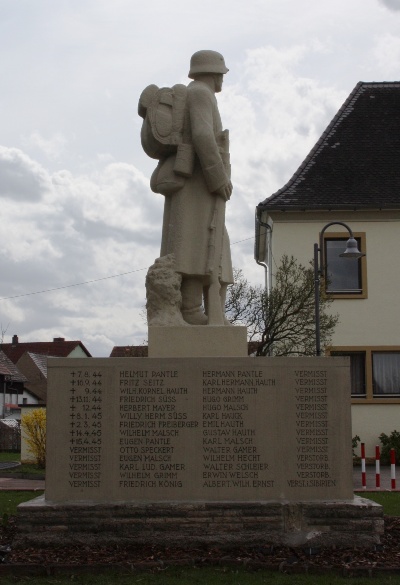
(283, 321)
(3, 331)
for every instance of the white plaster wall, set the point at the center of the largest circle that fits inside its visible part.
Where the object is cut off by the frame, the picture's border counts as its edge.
(29, 398)
(370, 420)
(372, 321)
(77, 352)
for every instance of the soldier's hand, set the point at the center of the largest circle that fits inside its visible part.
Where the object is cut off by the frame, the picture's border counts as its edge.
(225, 191)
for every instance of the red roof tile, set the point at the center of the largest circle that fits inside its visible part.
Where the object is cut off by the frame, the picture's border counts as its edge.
(58, 348)
(7, 368)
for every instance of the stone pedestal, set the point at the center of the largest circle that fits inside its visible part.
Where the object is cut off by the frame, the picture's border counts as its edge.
(323, 523)
(200, 341)
(247, 449)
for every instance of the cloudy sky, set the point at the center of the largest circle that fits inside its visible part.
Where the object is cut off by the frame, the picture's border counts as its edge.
(75, 202)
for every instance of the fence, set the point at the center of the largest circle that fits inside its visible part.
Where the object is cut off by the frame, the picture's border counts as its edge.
(378, 468)
(10, 435)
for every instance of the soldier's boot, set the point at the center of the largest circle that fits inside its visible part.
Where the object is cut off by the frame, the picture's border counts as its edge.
(192, 296)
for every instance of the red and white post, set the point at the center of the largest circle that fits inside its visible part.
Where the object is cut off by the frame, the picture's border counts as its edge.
(378, 467)
(363, 474)
(392, 469)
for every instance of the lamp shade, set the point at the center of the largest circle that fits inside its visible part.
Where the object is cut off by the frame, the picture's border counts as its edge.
(352, 250)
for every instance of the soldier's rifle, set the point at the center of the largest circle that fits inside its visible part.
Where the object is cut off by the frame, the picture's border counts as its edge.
(214, 309)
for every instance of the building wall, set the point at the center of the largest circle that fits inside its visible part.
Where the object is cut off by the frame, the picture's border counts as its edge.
(27, 398)
(374, 321)
(369, 421)
(371, 321)
(77, 353)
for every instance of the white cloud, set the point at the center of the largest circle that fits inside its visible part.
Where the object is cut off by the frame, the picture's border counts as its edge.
(391, 4)
(276, 117)
(386, 53)
(21, 178)
(52, 147)
(79, 228)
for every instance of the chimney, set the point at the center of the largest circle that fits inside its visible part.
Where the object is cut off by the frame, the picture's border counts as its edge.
(58, 339)
(14, 340)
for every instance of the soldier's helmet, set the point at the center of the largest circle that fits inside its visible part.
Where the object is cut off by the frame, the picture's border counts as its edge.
(207, 62)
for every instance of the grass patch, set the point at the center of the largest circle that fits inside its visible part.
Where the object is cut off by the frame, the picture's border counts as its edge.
(204, 576)
(389, 500)
(10, 500)
(5, 456)
(29, 468)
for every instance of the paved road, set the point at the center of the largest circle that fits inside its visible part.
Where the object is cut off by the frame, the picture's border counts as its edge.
(21, 485)
(13, 484)
(38, 484)
(9, 464)
(371, 479)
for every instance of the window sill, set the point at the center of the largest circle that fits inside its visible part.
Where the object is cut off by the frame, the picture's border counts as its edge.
(375, 400)
(356, 296)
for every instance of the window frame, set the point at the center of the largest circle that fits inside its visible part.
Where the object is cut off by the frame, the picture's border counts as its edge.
(361, 237)
(369, 397)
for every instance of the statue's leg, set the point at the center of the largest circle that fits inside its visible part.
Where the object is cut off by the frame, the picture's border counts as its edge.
(192, 296)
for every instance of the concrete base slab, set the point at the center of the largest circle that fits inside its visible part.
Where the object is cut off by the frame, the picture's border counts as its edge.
(323, 523)
(198, 341)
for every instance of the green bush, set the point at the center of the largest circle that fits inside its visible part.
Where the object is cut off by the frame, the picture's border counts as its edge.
(391, 441)
(354, 443)
(34, 426)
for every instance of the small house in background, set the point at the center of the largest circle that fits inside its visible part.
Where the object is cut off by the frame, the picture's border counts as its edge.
(59, 347)
(34, 366)
(352, 175)
(11, 388)
(30, 360)
(12, 382)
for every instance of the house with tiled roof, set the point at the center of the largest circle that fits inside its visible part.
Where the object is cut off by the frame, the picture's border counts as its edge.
(34, 367)
(12, 382)
(30, 359)
(59, 347)
(351, 177)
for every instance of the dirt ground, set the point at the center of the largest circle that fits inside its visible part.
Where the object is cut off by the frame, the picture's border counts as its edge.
(383, 556)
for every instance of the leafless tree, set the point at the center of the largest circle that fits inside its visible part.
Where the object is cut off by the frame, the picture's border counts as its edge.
(3, 331)
(283, 319)
(242, 301)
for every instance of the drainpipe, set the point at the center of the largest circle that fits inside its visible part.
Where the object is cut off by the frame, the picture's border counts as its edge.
(265, 266)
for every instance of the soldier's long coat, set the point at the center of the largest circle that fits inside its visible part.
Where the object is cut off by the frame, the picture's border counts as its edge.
(188, 212)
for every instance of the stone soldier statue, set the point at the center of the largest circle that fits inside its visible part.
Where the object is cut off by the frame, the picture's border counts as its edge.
(193, 174)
